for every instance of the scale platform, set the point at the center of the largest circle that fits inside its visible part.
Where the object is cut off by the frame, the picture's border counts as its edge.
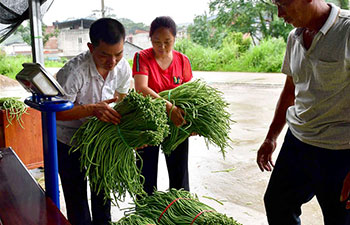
(22, 200)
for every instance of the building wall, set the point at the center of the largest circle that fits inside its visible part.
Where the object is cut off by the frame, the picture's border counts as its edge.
(73, 42)
(15, 49)
(142, 40)
(130, 50)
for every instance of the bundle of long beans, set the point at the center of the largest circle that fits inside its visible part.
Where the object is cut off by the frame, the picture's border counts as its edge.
(205, 113)
(134, 219)
(177, 207)
(107, 149)
(14, 109)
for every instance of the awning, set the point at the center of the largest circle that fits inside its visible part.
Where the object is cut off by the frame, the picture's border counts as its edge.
(14, 12)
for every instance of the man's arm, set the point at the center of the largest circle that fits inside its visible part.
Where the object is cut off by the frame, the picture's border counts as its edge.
(101, 110)
(264, 157)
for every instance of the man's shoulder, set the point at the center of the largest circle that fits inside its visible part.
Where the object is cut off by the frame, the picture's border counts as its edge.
(123, 63)
(79, 65)
(123, 68)
(344, 18)
(78, 62)
(344, 14)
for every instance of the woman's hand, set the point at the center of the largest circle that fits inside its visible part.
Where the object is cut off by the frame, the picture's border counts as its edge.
(176, 114)
(346, 191)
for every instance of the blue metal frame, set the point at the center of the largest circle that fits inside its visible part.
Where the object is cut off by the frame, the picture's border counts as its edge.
(49, 106)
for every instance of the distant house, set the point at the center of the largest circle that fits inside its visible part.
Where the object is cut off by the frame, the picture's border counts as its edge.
(130, 50)
(72, 40)
(140, 38)
(74, 36)
(14, 45)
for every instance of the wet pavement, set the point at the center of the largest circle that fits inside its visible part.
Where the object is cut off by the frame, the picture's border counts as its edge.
(235, 181)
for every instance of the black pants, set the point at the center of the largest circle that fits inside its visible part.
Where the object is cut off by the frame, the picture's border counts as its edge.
(301, 172)
(177, 164)
(75, 191)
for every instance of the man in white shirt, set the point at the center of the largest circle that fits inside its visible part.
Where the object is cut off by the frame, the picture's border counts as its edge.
(91, 81)
(315, 156)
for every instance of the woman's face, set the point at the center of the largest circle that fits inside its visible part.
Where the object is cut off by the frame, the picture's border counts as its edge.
(162, 41)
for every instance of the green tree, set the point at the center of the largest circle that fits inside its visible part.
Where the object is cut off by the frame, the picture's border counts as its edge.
(47, 36)
(256, 17)
(131, 26)
(344, 4)
(24, 31)
(200, 30)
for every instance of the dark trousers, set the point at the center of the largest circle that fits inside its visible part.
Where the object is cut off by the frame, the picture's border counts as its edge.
(75, 191)
(301, 172)
(177, 164)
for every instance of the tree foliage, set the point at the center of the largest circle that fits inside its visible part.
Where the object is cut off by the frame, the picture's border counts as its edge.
(255, 17)
(131, 26)
(24, 32)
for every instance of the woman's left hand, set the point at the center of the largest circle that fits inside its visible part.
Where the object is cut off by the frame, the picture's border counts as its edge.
(346, 191)
(176, 115)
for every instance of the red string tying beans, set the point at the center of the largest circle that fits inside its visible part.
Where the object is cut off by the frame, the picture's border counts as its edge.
(170, 205)
(200, 214)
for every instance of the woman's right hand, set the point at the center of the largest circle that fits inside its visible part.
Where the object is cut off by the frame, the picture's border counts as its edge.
(176, 115)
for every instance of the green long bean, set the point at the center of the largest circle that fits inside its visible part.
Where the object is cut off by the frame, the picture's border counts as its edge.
(14, 109)
(107, 150)
(205, 113)
(179, 207)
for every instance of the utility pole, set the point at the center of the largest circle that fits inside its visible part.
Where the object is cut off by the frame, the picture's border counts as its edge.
(103, 8)
(36, 32)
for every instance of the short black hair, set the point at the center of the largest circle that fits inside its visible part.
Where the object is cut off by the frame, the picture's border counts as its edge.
(108, 30)
(163, 21)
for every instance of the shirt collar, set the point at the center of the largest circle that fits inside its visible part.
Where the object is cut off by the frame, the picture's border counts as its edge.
(333, 16)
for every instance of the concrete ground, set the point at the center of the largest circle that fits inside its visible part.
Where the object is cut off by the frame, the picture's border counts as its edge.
(235, 181)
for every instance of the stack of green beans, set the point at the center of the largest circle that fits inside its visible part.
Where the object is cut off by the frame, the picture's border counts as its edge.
(177, 207)
(205, 113)
(14, 109)
(107, 150)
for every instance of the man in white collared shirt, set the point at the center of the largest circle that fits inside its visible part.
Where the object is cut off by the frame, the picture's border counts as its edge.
(315, 156)
(91, 81)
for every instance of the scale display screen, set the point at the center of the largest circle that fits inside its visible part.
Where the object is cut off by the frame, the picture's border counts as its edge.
(34, 78)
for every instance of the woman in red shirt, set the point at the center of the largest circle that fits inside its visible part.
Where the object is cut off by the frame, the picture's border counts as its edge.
(154, 70)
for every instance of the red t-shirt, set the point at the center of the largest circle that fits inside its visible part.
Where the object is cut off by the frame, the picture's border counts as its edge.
(177, 73)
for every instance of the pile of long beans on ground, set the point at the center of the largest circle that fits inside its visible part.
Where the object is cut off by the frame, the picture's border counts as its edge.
(177, 207)
(14, 109)
(134, 219)
(107, 150)
(205, 113)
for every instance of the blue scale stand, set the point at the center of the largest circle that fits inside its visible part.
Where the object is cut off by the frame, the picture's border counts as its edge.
(49, 106)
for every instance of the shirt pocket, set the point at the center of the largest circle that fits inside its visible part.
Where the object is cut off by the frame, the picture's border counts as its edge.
(330, 75)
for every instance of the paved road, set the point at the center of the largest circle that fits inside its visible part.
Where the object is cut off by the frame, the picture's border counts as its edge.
(252, 98)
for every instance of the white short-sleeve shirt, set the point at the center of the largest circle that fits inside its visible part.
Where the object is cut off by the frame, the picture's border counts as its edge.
(84, 85)
(321, 74)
